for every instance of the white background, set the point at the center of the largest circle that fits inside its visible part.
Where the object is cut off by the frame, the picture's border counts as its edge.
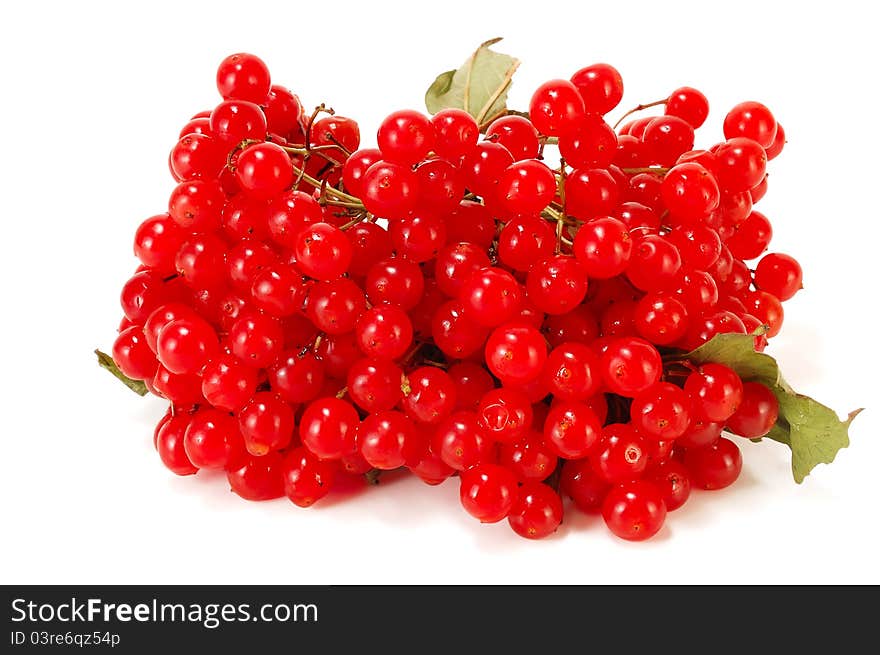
(92, 99)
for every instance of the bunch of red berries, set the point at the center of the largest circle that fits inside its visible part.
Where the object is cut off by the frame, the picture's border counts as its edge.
(449, 303)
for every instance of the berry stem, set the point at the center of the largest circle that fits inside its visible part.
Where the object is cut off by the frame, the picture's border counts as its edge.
(639, 108)
(658, 170)
(560, 225)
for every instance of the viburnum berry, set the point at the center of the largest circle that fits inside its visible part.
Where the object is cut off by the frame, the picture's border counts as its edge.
(133, 355)
(590, 143)
(751, 120)
(516, 353)
(390, 190)
(283, 111)
(673, 480)
(621, 454)
(460, 441)
(266, 423)
(690, 193)
(441, 186)
(243, 76)
(757, 411)
(555, 106)
(742, 163)
(529, 457)
(666, 138)
(603, 247)
(525, 240)
(689, 104)
(258, 478)
(212, 439)
(418, 237)
(396, 281)
(406, 137)
(572, 430)
(779, 274)
(490, 296)
(186, 344)
(389, 440)
(455, 133)
(630, 365)
(579, 480)
(556, 285)
(600, 86)
(455, 333)
(504, 414)
(715, 466)
(634, 510)
(526, 187)
(256, 339)
(429, 395)
(264, 170)
(228, 383)
(322, 251)
(716, 390)
(488, 492)
(234, 121)
(335, 306)
(661, 412)
(307, 479)
(170, 444)
(590, 193)
(537, 511)
(515, 133)
(572, 371)
(384, 331)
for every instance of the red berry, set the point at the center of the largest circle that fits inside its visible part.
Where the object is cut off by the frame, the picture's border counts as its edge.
(630, 365)
(212, 439)
(715, 466)
(634, 510)
(504, 414)
(186, 344)
(488, 492)
(779, 274)
(429, 395)
(572, 430)
(537, 511)
(516, 353)
(405, 137)
(266, 423)
(621, 454)
(258, 478)
(389, 440)
(583, 485)
(600, 86)
(243, 76)
(751, 120)
(170, 444)
(603, 247)
(717, 391)
(307, 479)
(689, 104)
(133, 355)
(555, 107)
(757, 412)
(661, 412)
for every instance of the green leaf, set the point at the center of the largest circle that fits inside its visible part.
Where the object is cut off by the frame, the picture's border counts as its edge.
(479, 87)
(105, 361)
(813, 431)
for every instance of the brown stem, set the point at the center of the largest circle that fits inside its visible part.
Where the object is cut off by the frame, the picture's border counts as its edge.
(639, 108)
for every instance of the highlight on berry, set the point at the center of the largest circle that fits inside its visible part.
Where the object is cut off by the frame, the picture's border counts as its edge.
(544, 304)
